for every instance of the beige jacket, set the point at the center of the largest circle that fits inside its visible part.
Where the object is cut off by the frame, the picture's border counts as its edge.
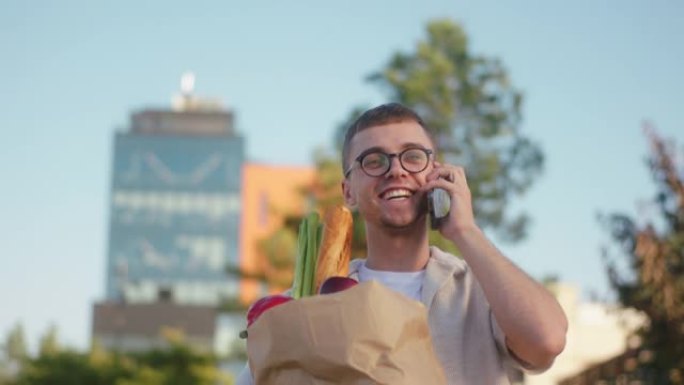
(466, 337)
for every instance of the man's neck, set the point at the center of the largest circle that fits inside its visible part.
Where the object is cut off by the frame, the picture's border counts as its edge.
(397, 250)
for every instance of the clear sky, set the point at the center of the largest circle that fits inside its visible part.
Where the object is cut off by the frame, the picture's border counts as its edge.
(72, 72)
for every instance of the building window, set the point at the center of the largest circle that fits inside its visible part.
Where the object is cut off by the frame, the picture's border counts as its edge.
(165, 294)
(263, 209)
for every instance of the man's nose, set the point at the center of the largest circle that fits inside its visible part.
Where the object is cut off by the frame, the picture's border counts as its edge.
(396, 169)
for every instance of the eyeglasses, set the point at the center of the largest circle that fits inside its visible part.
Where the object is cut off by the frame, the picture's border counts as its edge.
(377, 163)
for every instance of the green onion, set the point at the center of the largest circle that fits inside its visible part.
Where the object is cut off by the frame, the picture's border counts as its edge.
(312, 231)
(297, 285)
(308, 243)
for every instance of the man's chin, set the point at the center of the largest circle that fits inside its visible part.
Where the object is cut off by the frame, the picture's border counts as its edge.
(403, 224)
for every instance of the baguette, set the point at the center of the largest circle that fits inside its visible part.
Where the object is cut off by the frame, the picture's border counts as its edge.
(335, 249)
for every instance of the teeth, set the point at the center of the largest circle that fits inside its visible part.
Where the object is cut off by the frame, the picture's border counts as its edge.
(397, 193)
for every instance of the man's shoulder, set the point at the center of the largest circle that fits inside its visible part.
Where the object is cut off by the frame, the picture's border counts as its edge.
(439, 258)
(447, 261)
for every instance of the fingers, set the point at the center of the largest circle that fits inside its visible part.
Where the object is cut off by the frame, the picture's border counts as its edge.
(447, 177)
(452, 179)
(439, 183)
(447, 172)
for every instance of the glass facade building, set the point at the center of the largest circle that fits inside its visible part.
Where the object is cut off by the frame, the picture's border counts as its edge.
(175, 208)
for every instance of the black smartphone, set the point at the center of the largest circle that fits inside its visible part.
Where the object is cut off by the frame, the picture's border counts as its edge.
(439, 204)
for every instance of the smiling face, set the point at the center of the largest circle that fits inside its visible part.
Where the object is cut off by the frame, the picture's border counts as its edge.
(392, 200)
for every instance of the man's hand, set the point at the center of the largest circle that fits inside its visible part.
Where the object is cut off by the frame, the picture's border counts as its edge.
(452, 179)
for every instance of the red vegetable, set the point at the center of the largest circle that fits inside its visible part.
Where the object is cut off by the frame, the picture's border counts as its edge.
(335, 284)
(264, 304)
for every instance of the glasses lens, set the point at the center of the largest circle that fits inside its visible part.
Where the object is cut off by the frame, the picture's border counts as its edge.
(375, 163)
(414, 159)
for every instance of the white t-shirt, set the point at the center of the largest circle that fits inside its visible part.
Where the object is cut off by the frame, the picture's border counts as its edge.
(409, 283)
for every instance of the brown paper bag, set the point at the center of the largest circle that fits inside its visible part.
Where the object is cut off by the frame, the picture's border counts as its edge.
(364, 335)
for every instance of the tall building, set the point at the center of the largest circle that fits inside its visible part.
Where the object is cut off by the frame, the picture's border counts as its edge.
(175, 208)
(184, 206)
(175, 204)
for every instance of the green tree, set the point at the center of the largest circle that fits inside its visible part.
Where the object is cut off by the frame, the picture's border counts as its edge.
(63, 368)
(15, 353)
(68, 367)
(652, 279)
(15, 344)
(177, 365)
(278, 249)
(49, 343)
(475, 113)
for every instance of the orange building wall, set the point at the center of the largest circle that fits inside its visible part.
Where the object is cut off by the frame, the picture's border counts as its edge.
(267, 192)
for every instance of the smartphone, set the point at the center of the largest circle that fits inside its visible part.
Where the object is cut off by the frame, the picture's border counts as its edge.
(439, 204)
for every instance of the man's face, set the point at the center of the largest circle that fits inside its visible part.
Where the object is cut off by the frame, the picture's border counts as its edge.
(392, 200)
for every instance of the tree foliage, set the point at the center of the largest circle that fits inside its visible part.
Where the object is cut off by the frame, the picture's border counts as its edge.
(49, 343)
(475, 112)
(15, 344)
(14, 352)
(176, 365)
(653, 279)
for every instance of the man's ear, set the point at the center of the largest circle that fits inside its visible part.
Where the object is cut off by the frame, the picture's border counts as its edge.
(349, 198)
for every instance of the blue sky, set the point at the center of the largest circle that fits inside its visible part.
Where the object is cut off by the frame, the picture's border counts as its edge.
(72, 72)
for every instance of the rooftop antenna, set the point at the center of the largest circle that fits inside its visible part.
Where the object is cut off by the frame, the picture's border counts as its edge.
(187, 83)
(187, 101)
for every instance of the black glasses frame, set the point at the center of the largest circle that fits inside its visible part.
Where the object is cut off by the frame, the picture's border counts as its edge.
(390, 156)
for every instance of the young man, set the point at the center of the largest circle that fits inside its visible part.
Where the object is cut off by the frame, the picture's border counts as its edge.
(484, 313)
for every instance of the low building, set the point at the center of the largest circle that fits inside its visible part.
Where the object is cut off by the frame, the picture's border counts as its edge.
(596, 332)
(270, 193)
(140, 327)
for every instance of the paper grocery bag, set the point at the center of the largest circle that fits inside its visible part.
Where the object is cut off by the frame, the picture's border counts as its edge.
(364, 335)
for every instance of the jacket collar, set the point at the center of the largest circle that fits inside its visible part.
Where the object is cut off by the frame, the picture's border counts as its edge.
(440, 267)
